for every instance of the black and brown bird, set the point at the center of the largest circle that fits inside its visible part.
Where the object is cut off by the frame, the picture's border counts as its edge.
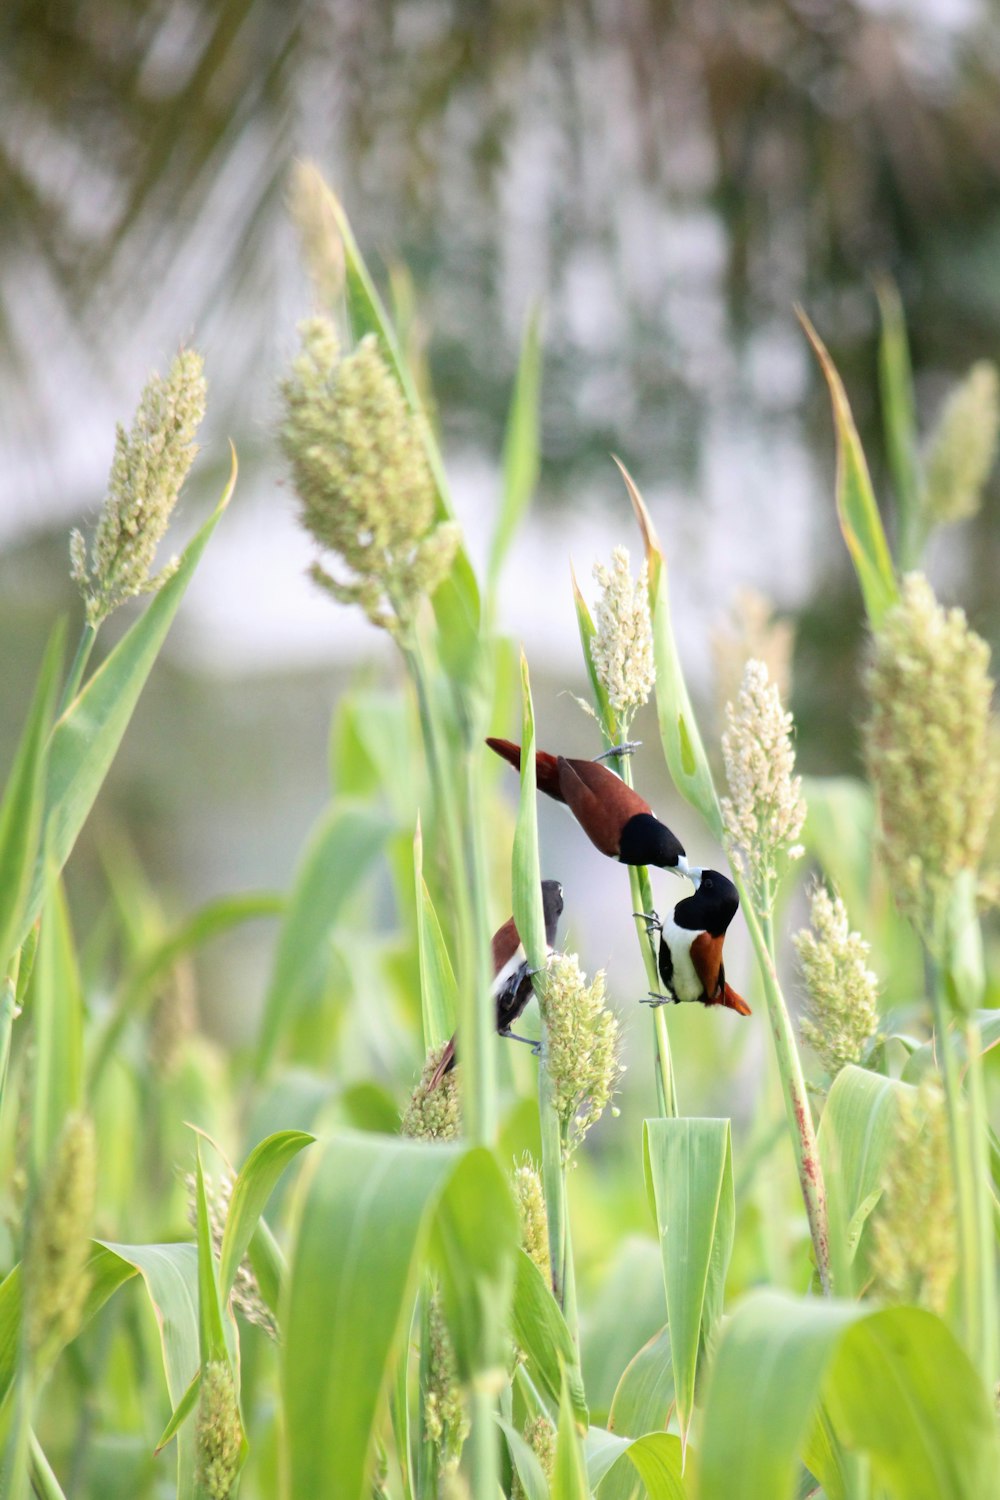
(613, 816)
(512, 987)
(690, 958)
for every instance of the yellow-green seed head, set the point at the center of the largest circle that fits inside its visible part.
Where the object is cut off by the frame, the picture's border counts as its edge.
(540, 1436)
(434, 1114)
(963, 447)
(765, 810)
(534, 1225)
(361, 472)
(914, 1247)
(444, 1407)
(581, 1046)
(219, 1433)
(312, 208)
(751, 632)
(58, 1240)
(842, 990)
(928, 747)
(150, 465)
(622, 647)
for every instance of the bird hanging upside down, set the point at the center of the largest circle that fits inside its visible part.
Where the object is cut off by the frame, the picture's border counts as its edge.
(613, 816)
(690, 959)
(512, 988)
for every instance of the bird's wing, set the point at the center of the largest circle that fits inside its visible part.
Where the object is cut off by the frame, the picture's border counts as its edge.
(506, 943)
(706, 956)
(599, 800)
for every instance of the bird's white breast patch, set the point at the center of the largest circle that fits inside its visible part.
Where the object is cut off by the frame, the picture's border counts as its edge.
(685, 982)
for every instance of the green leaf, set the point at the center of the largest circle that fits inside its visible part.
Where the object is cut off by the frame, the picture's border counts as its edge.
(645, 1392)
(525, 1461)
(438, 986)
(339, 853)
(856, 1135)
(857, 510)
(211, 1332)
(21, 810)
(57, 1013)
(540, 1330)
(368, 1208)
(569, 1476)
(899, 421)
(587, 629)
(657, 1457)
(476, 1226)
(895, 1382)
(526, 876)
(624, 1311)
(689, 1177)
(251, 1190)
(85, 739)
(520, 450)
(682, 742)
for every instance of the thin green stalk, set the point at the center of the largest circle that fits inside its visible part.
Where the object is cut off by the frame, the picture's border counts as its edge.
(8, 1015)
(980, 1163)
(553, 1180)
(484, 1443)
(43, 1480)
(793, 1086)
(86, 644)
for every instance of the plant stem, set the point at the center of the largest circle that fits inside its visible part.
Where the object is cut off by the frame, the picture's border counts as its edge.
(86, 644)
(8, 1015)
(553, 1179)
(978, 1122)
(793, 1086)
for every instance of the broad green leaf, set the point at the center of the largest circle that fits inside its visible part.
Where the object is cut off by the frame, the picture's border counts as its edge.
(857, 510)
(338, 855)
(438, 987)
(520, 449)
(56, 1003)
(251, 1190)
(23, 802)
(645, 1392)
(525, 1461)
(682, 742)
(623, 1312)
(85, 739)
(526, 877)
(540, 1330)
(368, 1209)
(689, 1177)
(569, 1475)
(895, 1383)
(657, 1458)
(899, 421)
(856, 1135)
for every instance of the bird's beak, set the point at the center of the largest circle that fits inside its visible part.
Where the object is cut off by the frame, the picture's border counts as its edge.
(693, 872)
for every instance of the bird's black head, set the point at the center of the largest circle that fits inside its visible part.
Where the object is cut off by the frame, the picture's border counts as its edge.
(552, 907)
(712, 907)
(646, 841)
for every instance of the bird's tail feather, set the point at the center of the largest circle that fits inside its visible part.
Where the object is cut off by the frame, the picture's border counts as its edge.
(735, 1002)
(444, 1066)
(546, 766)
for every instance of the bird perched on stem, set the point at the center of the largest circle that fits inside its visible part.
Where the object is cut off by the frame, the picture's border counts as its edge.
(512, 988)
(690, 958)
(613, 816)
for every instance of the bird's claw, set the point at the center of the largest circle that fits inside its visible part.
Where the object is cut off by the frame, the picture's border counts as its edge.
(512, 1036)
(653, 999)
(628, 748)
(652, 921)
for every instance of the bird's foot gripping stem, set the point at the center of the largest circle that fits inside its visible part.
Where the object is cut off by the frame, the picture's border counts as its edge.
(628, 748)
(653, 1000)
(512, 1036)
(652, 921)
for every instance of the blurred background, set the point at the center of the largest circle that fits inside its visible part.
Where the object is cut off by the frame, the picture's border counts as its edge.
(666, 181)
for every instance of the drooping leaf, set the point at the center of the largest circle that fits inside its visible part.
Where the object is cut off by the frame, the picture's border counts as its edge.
(86, 738)
(857, 510)
(689, 1176)
(655, 1457)
(251, 1190)
(338, 855)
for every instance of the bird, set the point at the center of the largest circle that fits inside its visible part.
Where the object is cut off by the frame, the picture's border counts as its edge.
(613, 816)
(690, 957)
(512, 988)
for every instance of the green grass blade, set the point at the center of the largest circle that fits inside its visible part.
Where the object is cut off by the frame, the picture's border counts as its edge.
(682, 742)
(438, 986)
(211, 1333)
(899, 421)
(520, 450)
(526, 873)
(525, 1461)
(689, 1177)
(87, 736)
(857, 510)
(856, 1136)
(645, 1393)
(540, 1329)
(366, 1214)
(657, 1457)
(587, 628)
(251, 1190)
(339, 853)
(21, 810)
(569, 1475)
(56, 1007)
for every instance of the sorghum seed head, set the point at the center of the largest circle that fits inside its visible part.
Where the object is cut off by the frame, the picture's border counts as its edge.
(581, 1046)
(58, 1240)
(246, 1294)
(434, 1114)
(534, 1224)
(219, 1433)
(914, 1252)
(540, 1436)
(622, 646)
(751, 632)
(444, 1408)
(842, 991)
(312, 209)
(963, 446)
